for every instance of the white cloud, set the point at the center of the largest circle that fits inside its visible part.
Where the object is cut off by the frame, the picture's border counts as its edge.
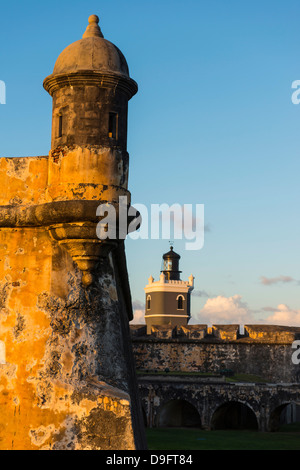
(138, 317)
(138, 313)
(224, 310)
(285, 316)
(231, 310)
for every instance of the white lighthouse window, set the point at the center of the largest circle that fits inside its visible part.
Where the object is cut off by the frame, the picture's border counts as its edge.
(168, 265)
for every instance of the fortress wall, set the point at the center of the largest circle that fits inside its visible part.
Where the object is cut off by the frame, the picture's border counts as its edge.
(267, 353)
(23, 180)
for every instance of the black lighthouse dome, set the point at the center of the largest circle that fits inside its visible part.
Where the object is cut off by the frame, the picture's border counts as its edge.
(171, 265)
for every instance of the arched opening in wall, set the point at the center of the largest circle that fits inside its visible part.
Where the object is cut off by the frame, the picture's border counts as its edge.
(283, 416)
(180, 300)
(234, 415)
(179, 414)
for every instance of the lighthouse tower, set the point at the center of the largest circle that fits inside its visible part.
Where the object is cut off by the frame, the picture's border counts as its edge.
(168, 301)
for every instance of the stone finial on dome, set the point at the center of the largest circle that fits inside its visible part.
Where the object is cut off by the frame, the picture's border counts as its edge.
(93, 30)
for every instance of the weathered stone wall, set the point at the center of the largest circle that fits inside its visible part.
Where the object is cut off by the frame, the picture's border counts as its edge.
(94, 117)
(264, 351)
(266, 401)
(67, 376)
(23, 180)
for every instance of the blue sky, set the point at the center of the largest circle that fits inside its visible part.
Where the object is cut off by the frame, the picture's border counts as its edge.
(213, 123)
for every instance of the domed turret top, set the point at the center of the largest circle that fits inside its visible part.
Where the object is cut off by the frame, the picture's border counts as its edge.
(92, 53)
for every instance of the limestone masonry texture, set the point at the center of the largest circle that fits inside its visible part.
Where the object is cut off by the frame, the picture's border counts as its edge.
(213, 371)
(264, 351)
(67, 374)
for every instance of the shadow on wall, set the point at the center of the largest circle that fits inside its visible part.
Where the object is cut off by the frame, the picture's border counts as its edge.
(287, 413)
(234, 415)
(178, 413)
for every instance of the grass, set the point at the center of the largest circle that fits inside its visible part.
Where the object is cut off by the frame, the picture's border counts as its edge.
(245, 378)
(196, 439)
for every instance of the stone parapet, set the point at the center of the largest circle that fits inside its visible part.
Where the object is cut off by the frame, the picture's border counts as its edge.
(229, 333)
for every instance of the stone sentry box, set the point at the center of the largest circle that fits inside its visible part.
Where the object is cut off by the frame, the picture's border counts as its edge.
(68, 380)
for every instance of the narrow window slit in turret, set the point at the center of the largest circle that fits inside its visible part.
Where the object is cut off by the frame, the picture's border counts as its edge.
(60, 124)
(113, 126)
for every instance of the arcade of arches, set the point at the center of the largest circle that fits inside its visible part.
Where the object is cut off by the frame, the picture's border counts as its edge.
(217, 407)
